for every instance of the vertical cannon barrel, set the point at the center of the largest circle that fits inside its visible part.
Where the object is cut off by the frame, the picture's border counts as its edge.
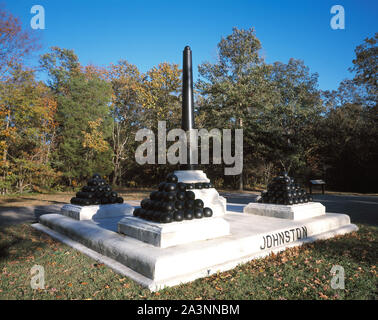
(187, 121)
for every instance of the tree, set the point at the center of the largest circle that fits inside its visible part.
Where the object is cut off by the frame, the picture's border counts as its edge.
(159, 96)
(15, 44)
(236, 86)
(27, 133)
(126, 81)
(83, 115)
(366, 68)
(289, 126)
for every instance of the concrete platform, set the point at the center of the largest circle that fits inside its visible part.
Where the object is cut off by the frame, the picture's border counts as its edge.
(166, 235)
(102, 211)
(251, 236)
(293, 212)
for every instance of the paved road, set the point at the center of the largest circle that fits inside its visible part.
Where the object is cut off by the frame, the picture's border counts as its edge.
(361, 209)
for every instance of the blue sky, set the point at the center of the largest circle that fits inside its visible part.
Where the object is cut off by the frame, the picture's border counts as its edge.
(149, 32)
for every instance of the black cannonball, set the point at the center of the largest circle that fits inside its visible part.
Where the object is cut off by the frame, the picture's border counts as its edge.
(180, 195)
(107, 188)
(74, 200)
(198, 203)
(143, 203)
(188, 214)
(207, 212)
(211, 185)
(296, 201)
(96, 176)
(136, 212)
(142, 213)
(166, 217)
(119, 200)
(205, 185)
(198, 213)
(181, 186)
(113, 200)
(189, 186)
(161, 186)
(170, 187)
(290, 202)
(87, 202)
(93, 182)
(189, 204)
(105, 200)
(169, 206)
(170, 196)
(179, 205)
(178, 215)
(114, 194)
(190, 195)
(305, 199)
(172, 178)
(159, 196)
(156, 205)
(156, 216)
(309, 197)
(153, 195)
(198, 185)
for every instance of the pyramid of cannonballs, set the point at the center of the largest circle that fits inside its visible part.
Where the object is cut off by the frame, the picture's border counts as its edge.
(284, 190)
(97, 191)
(174, 201)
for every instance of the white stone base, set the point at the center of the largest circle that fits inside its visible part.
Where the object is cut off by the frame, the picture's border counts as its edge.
(191, 176)
(293, 212)
(251, 236)
(166, 235)
(210, 197)
(102, 211)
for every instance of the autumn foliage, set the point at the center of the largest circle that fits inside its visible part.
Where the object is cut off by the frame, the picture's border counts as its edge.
(54, 134)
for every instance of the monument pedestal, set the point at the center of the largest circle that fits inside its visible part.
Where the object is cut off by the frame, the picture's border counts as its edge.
(293, 212)
(94, 212)
(165, 235)
(210, 197)
(251, 237)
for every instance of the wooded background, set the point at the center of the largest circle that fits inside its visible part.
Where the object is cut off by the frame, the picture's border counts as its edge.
(83, 119)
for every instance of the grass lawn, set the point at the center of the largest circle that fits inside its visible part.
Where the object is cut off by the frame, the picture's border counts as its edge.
(297, 273)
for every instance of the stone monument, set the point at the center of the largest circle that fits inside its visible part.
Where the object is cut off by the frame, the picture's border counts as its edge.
(185, 231)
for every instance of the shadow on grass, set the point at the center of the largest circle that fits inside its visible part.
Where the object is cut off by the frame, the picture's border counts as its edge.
(17, 242)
